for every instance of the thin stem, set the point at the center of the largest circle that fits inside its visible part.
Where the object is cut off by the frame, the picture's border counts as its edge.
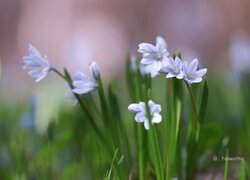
(194, 104)
(140, 153)
(139, 130)
(60, 74)
(69, 81)
(154, 140)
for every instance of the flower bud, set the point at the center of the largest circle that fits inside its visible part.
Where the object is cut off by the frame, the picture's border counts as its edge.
(94, 69)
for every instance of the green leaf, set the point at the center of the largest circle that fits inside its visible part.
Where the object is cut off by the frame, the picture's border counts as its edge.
(129, 77)
(179, 55)
(243, 173)
(210, 135)
(72, 171)
(226, 166)
(204, 101)
(114, 103)
(67, 75)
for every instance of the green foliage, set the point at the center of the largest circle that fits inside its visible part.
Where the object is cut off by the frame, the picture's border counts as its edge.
(98, 137)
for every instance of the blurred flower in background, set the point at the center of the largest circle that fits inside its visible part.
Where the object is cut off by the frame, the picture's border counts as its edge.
(73, 32)
(240, 52)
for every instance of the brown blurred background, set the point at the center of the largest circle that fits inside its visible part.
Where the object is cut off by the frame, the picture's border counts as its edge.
(74, 32)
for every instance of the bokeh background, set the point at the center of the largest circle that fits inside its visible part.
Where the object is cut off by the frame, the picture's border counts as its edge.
(72, 33)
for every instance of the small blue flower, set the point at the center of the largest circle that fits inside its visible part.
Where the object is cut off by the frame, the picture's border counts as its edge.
(174, 68)
(141, 113)
(191, 72)
(38, 66)
(94, 69)
(144, 69)
(83, 84)
(156, 55)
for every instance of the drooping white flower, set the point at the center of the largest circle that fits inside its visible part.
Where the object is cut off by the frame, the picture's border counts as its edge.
(191, 72)
(94, 69)
(156, 55)
(83, 84)
(174, 68)
(38, 66)
(141, 113)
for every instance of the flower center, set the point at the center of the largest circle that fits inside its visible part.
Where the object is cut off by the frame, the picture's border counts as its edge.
(158, 56)
(176, 70)
(190, 76)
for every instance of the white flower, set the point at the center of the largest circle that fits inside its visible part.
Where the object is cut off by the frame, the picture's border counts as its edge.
(38, 66)
(191, 74)
(144, 69)
(83, 84)
(141, 113)
(174, 68)
(155, 55)
(94, 69)
(149, 69)
(70, 95)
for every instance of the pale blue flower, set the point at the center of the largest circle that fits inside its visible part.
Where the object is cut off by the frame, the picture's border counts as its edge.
(38, 66)
(240, 53)
(70, 95)
(155, 55)
(149, 69)
(191, 72)
(144, 69)
(83, 84)
(174, 68)
(141, 113)
(94, 69)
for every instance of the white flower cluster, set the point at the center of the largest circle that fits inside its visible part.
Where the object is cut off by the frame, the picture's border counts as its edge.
(39, 68)
(156, 58)
(141, 113)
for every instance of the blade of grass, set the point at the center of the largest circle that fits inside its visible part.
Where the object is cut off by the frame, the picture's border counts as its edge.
(139, 129)
(243, 173)
(226, 165)
(204, 101)
(154, 146)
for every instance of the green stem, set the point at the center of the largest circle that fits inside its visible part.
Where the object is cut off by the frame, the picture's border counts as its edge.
(84, 109)
(194, 105)
(154, 141)
(140, 153)
(226, 165)
(139, 129)
(60, 74)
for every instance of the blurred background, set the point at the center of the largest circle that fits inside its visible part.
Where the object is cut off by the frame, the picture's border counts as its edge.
(72, 33)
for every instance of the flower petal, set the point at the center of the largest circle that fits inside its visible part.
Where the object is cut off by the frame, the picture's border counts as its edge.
(170, 75)
(160, 40)
(201, 72)
(134, 108)
(146, 48)
(156, 118)
(140, 117)
(146, 125)
(94, 69)
(192, 67)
